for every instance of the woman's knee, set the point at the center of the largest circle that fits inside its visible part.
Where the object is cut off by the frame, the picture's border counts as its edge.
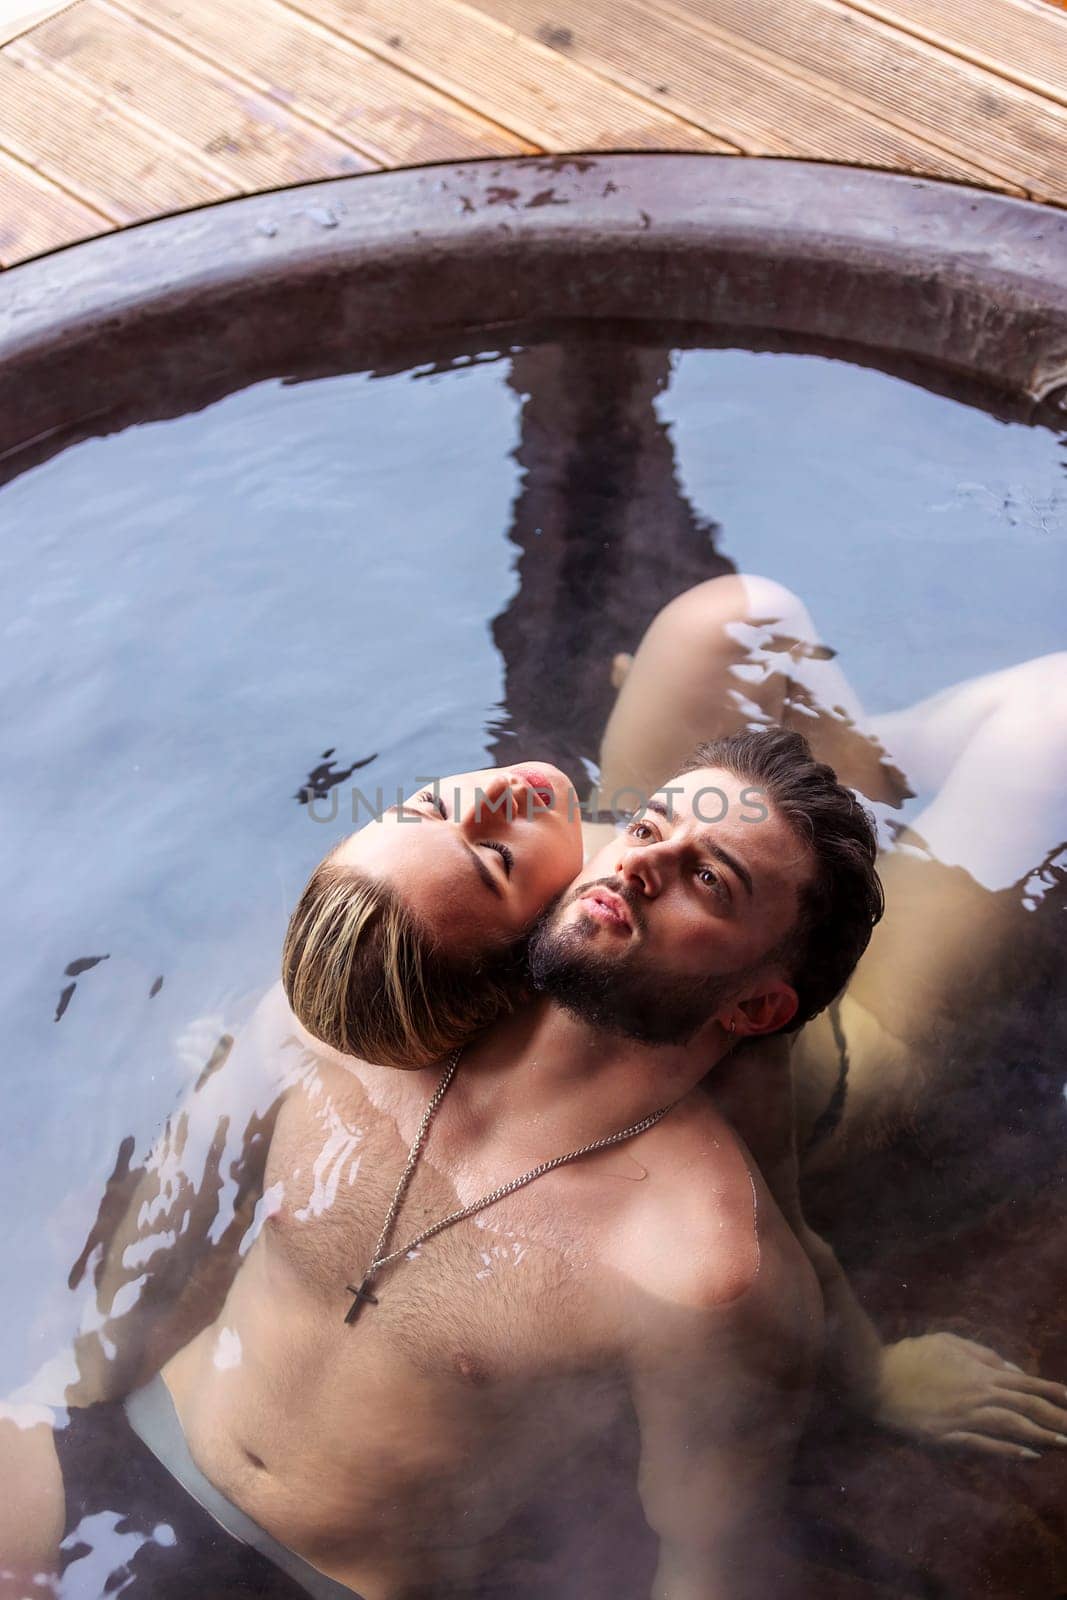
(770, 601)
(737, 597)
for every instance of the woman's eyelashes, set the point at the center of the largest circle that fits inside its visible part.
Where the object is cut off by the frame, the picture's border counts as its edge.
(428, 797)
(501, 850)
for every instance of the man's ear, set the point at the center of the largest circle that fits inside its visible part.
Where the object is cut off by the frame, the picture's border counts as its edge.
(773, 1008)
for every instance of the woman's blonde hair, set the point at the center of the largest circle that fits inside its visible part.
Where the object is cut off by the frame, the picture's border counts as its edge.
(363, 975)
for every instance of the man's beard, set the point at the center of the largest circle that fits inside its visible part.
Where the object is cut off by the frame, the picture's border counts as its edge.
(626, 995)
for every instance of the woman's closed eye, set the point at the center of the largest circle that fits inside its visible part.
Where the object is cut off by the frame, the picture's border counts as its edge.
(430, 798)
(502, 850)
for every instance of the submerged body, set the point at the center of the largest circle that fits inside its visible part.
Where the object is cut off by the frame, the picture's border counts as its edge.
(394, 1453)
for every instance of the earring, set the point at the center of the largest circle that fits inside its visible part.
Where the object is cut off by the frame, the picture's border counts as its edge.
(732, 1025)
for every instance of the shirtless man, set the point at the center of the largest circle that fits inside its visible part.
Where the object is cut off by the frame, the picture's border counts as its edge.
(392, 1453)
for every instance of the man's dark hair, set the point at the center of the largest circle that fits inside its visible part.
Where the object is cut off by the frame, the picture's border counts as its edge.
(840, 906)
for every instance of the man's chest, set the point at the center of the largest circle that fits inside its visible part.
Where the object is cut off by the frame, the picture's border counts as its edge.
(500, 1296)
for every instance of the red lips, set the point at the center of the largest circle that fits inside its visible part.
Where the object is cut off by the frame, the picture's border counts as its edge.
(540, 784)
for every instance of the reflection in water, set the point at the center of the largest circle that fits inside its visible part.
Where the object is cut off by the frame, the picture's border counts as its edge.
(930, 1097)
(605, 534)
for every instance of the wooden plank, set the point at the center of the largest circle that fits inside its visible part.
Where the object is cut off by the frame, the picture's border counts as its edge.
(734, 93)
(958, 107)
(100, 157)
(520, 83)
(23, 18)
(244, 137)
(1025, 40)
(35, 215)
(388, 115)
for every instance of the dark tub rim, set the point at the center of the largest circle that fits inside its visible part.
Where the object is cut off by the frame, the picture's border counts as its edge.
(336, 274)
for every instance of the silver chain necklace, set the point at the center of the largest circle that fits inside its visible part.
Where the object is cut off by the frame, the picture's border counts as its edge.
(362, 1293)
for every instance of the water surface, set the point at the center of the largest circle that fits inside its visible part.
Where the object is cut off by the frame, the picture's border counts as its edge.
(205, 620)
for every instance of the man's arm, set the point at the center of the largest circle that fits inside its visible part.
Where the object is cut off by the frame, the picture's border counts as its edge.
(721, 1390)
(166, 1244)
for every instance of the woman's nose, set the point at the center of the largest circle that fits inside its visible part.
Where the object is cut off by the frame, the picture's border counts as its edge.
(494, 804)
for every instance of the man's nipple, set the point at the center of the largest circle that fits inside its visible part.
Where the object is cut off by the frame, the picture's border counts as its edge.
(471, 1369)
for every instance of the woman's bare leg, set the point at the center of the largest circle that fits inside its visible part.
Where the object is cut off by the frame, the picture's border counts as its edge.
(990, 753)
(732, 653)
(743, 650)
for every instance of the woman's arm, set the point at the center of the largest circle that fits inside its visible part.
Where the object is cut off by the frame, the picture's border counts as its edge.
(937, 1387)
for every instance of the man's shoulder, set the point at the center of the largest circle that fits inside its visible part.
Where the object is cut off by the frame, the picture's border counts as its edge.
(732, 1340)
(695, 1237)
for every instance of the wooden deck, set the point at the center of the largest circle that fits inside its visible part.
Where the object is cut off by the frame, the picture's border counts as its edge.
(113, 111)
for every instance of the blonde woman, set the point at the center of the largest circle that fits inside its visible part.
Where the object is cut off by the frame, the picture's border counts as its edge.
(408, 939)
